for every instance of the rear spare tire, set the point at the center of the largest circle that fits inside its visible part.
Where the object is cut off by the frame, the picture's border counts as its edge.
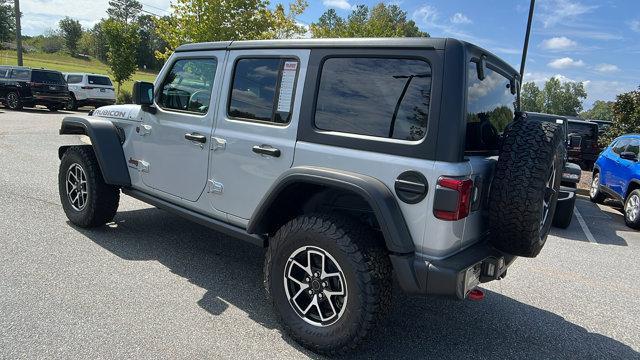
(525, 187)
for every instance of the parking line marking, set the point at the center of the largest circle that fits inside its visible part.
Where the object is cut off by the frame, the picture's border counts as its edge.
(584, 226)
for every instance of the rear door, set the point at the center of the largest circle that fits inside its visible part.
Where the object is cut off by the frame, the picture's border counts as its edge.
(256, 127)
(173, 143)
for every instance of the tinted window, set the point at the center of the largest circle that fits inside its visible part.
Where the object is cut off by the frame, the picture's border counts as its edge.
(374, 96)
(634, 146)
(620, 145)
(188, 85)
(489, 100)
(584, 129)
(99, 80)
(21, 74)
(4, 73)
(47, 77)
(74, 79)
(263, 89)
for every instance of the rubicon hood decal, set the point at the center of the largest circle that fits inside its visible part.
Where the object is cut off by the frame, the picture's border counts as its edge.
(118, 111)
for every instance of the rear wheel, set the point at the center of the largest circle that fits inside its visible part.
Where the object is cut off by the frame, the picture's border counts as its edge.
(328, 281)
(72, 104)
(13, 101)
(86, 199)
(564, 213)
(595, 194)
(632, 209)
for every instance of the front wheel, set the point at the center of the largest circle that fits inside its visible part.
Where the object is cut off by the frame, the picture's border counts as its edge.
(632, 209)
(595, 194)
(13, 101)
(86, 199)
(328, 281)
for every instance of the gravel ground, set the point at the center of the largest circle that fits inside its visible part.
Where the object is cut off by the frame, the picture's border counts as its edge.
(154, 286)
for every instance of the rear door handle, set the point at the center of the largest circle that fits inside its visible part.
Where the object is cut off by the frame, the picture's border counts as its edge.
(195, 137)
(266, 150)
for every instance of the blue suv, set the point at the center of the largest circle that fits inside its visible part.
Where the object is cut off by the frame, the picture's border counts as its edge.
(616, 175)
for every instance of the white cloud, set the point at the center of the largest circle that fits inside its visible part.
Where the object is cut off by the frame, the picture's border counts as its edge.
(607, 68)
(340, 4)
(635, 25)
(558, 43)
(427, 14)
(460, 18)
(556, 11)
(565, 62)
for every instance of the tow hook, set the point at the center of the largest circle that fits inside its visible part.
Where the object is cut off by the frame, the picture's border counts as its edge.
(476, 295)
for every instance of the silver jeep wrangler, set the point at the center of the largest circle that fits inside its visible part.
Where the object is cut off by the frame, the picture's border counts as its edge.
(354, 161)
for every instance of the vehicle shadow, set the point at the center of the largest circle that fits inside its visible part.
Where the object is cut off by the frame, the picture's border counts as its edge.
(231, 273)
(41, 110)
(604, 226)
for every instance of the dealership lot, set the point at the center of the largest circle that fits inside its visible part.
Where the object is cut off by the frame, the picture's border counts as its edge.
(152, 285)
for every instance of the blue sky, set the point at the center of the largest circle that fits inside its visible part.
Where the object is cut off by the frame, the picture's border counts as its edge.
(597, 42)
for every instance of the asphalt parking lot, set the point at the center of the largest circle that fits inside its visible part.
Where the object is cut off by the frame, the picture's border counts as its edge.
(152, 285)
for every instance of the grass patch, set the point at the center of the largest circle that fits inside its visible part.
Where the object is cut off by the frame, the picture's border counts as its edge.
(67, 63)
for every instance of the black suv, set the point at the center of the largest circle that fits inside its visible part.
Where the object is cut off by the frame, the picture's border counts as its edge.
(583, 146)
(21, 86)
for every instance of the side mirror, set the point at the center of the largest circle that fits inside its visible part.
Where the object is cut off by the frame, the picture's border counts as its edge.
(142, 93)
(629, 155)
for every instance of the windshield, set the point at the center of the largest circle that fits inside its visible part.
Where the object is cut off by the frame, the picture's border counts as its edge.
(47, 77)
(584, 129)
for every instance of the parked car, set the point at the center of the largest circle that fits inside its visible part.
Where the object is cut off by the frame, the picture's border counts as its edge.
(25, 87)
(571, 174)
(583, 146)
(603, 125)
(616, 175)
(89, 90)
(353, 161)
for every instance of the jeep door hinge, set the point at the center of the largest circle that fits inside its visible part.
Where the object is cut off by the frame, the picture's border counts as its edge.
(218, 143)
(215, 187)
(143, 129)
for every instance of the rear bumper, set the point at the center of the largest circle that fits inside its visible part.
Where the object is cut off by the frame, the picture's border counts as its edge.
(453, 276)
(46, 99)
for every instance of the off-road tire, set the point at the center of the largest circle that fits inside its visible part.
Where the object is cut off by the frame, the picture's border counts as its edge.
(633, 223)
(564, 213)
(102, 200)
(528, 150)
(596, 195)
(17, 105)
(367, 271)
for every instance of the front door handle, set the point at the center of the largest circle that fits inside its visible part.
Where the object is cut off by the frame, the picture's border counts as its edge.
(195, 137)
(266, 150)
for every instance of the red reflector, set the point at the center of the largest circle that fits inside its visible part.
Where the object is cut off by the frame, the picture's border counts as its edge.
(476, 295)
(464, 188)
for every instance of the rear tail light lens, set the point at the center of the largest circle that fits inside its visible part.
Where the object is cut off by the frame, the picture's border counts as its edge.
(464, 190)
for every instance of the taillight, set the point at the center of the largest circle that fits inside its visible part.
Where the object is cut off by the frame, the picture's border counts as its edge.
(454, 206)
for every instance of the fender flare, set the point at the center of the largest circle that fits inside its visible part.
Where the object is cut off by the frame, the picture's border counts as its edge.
(106, 141)
(385, 207)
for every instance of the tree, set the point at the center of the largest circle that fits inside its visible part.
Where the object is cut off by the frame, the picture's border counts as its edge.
(381, 21)
(7, 21)
(150, 42)
(601, 110)
(121, 39)
(71, 31)
(555, 98)
(626, 116)
(217, 20)
(52, 42)
(124, 10)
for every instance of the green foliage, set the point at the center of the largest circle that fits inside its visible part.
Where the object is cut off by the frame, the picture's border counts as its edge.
(381, 21)
(149, 42)
(601, 110)
(121, 39)
(7, 21)
(555, 98)
(125, 11)
(52, 42)
(216, 20)
(71, 31)
(626, 116)
(124, 97)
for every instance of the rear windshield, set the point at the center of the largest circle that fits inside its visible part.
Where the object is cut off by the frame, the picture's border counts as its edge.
(99, 80)
(47, 77)
(490, 107)
(586, 130)
(74, 79)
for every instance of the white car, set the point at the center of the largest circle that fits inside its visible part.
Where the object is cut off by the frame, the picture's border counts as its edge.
(89, 90)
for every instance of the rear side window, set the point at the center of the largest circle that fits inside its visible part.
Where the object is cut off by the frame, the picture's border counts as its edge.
(263, 89)
(47, 77)
(99, 80)
(383, 97)
(187, 87)
(74, 79)
(21, 74)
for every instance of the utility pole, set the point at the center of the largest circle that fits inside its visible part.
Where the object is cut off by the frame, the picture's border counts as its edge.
(16, 6)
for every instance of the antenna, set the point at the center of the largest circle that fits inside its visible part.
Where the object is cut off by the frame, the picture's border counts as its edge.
(526, 41)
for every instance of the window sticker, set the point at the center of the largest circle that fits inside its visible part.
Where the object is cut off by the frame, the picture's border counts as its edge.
(286, 85)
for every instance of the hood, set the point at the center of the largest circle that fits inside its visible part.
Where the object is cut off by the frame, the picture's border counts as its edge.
(125, 112)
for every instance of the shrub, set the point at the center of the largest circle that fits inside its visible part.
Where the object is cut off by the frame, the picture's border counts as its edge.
(124, 97)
